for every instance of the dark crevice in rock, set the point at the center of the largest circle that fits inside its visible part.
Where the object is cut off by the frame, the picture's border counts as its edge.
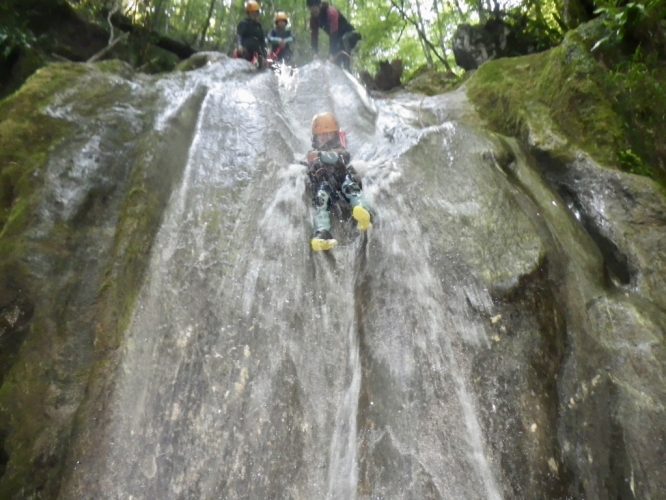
(619, 464)
(616, 264)
(363, 295)
(520, 377)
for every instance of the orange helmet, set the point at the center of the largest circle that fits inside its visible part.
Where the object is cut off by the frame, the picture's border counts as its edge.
(324, 123)
(252, 6)
(281, 16)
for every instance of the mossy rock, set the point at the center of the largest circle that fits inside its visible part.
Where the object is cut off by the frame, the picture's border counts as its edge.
(55, 324)
(432, 81)
(199, 60)
(147, 58)
(584, 102)
(27, 135)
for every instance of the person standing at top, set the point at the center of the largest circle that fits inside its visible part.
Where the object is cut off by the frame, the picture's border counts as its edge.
(280, 38)
(251, 39)
(343, 37)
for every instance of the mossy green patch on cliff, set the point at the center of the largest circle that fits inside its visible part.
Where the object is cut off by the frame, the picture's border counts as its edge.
(133, 240)
(45, 358)
(605, 110)
(432, 82)
(27, 134)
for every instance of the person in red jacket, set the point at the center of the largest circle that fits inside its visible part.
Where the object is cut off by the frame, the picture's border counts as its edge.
(343, 37)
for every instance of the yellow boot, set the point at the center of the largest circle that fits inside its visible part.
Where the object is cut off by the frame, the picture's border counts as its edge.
(323, 241)
(362, 217)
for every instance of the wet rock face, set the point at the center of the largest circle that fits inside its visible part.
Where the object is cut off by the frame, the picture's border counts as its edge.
(75, 210)
(612, 385)
(498, 333)
(616, 208)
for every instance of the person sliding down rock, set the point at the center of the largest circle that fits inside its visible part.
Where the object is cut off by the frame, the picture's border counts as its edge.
(332, 180)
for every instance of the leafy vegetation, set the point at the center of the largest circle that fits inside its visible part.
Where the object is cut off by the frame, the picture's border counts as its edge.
(614, 75)
(610, 104)
(418, 32)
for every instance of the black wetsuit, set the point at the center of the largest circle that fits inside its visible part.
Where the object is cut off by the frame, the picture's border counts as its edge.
(251, 38)
(275, 37)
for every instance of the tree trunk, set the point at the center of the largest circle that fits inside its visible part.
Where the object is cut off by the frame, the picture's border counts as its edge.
(182, 50)
(207, 23)
(440, 34)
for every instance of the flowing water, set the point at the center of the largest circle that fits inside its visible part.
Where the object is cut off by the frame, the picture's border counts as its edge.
(253, 368)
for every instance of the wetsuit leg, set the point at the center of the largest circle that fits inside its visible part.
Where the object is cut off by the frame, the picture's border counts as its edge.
(338, 54)
(351, 189)
(322, 203)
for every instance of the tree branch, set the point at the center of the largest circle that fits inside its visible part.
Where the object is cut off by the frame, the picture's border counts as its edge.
(419, 30)
(112, 35)
(106, 49)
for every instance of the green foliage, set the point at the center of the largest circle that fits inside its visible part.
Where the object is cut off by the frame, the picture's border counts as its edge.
(13, 33)
(638, 90)
(619, 20)
(93, 9)
(12, 38)
(536, 25)
(388, 39)
(632, 24)
(633, 163)
(616, 115)
(417, 31)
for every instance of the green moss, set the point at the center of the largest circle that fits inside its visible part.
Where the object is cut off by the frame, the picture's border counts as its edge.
(431, 82)
(27, 134)
(592, 107)
(139, 219)
(39, 386)
(115, 67)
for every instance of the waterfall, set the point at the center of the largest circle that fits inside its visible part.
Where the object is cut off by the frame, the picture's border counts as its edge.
(197, 348)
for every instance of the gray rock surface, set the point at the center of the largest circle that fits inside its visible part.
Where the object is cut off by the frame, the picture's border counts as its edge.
(497, 334)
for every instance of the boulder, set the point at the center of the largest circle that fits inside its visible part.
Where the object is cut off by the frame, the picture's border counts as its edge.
(474, 45)
(388, 76)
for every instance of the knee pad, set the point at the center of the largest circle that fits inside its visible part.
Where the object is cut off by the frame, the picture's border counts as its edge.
(350, 187)
(322, 198)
